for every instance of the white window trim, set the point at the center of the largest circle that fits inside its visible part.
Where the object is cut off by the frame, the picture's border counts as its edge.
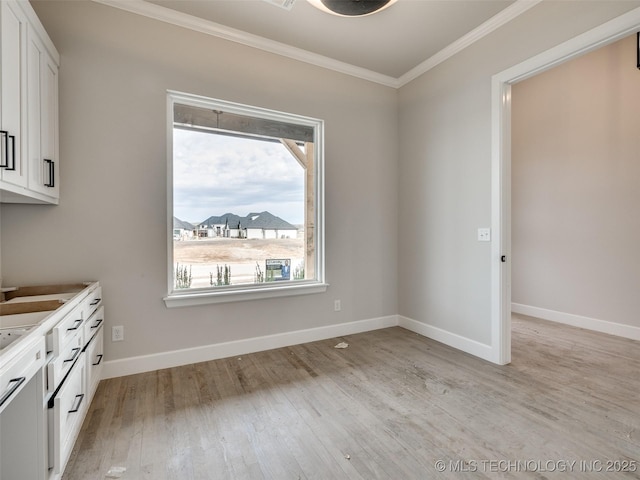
(190, 297)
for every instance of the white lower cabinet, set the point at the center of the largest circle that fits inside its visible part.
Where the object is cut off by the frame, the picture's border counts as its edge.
(66, 415)
(78, 340)
(23, 442)
(48, 376)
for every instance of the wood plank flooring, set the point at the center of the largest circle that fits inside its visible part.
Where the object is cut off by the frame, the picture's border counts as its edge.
(387, 407)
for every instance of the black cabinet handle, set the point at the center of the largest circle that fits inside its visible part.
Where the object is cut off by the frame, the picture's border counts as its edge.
(13, 153)
(52, 173)
(76, 324)
(99, 357)
(503, 258)
(77, 407)
(98, 322)
(76, 352)
(16, 383)
(5, 142)
(95, 302)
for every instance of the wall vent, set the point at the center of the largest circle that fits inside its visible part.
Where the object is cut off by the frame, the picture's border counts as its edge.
(286, 4)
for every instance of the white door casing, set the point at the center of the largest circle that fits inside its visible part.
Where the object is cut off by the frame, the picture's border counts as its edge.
(600, 36)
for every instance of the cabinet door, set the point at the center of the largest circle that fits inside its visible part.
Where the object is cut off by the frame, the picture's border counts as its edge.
(12, 95)
(95, 353)
(65, 418)
(42, 92)
(49, 129)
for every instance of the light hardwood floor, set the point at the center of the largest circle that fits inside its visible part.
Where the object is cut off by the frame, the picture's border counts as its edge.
(389, 406)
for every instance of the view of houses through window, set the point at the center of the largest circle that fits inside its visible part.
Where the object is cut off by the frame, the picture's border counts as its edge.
(243, 200)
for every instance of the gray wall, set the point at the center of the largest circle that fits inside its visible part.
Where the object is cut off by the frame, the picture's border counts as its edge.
(445, 165)
(111, 221)
(576, 187)
(415, 162)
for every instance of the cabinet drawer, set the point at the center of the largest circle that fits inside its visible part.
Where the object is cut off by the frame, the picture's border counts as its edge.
(94, 324)
(92, 302)
(65, 417)
(94, 355)
(66, 330)
(17, 373)
(60, 365)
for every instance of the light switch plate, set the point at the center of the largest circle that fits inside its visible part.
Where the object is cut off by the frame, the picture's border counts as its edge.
(484, 234)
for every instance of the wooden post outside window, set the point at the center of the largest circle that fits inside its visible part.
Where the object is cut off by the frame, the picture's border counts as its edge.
(306, 160)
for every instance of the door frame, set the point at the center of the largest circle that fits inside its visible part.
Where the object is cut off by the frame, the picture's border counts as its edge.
(501, 83)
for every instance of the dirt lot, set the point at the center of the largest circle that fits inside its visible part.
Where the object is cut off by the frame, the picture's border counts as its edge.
(240, 254)
(221, 250)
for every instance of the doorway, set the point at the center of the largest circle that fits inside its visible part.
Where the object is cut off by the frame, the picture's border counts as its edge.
(501, 162)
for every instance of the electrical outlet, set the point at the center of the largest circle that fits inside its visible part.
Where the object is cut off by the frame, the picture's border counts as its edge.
(337, 306)
(117, 333)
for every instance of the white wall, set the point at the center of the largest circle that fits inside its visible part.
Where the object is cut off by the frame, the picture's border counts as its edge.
(576, 187)
(111, 221)
(445, 165)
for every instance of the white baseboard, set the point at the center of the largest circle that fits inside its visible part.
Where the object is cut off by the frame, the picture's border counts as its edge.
(459, 342)
(603, 326)
(175, 358)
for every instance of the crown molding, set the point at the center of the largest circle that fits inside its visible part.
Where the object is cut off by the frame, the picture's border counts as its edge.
(505, 16)
(167, 15)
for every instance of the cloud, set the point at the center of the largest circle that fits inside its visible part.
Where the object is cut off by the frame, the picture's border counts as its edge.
(217, 174)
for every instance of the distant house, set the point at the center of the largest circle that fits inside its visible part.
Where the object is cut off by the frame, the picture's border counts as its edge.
(235, 232)
(228, 225)
(182, 230)
(265, 225)
(255, 225)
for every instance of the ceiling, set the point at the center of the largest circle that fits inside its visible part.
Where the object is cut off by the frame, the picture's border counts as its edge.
(387, 47)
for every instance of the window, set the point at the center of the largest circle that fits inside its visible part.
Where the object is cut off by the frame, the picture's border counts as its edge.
(245, 216)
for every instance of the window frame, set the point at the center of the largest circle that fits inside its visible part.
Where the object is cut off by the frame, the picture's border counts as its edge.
(244, 292)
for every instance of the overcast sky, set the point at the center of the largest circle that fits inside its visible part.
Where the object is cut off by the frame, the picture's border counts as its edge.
(218, 174)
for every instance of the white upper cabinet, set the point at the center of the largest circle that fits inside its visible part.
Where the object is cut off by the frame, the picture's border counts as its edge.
(29, 163)
(42, 131)
(13, 98)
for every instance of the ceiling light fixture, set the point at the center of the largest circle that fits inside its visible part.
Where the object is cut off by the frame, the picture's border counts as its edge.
(351, 8)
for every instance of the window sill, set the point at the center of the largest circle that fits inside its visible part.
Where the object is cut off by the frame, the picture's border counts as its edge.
(189, 299)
